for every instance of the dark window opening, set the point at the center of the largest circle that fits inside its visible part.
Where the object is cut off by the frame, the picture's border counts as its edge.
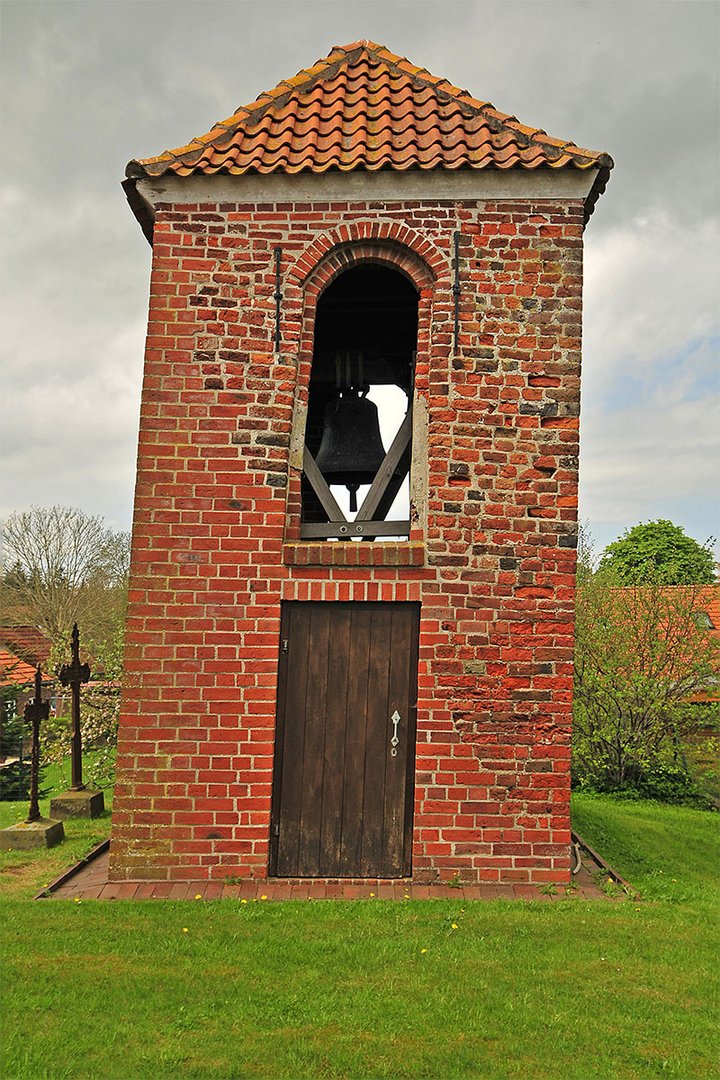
(360, 395)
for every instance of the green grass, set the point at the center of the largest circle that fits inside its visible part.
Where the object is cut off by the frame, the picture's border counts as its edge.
(24, 873)
(532, 991)
(667, 852)
(703, 756)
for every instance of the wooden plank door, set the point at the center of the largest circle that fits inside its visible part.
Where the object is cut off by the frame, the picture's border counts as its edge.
(342, 800)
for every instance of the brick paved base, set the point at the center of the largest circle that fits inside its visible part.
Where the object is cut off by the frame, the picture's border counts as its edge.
(91, 883)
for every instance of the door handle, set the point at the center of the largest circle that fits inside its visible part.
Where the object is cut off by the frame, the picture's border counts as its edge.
(395, 720)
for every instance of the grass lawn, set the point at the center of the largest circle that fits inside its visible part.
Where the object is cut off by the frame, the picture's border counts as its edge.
(439, 989)
(24, 873)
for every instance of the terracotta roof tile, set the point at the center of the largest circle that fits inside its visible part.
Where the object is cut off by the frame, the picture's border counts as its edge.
(13, 670)
(363, 107)
(705, 600)
(27, 642)
(709, 602)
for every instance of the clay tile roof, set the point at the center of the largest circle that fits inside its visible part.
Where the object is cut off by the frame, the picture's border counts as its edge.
(27, 642)
(363, 107)
(13, 670)
(708, 600)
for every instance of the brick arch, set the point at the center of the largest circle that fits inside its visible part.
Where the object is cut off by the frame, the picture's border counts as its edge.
(390, 242)
(334, 254)
(344, 257)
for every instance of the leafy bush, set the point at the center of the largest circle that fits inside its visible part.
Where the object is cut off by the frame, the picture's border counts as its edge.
(666, 781)
(701, 715)
(639, 656)
(658, 552)
(15, 742)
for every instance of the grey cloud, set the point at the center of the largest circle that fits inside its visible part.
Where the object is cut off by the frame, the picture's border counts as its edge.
(650, 287)
(656, 459)
(87, 86)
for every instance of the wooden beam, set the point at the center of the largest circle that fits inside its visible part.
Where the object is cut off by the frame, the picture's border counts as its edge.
(386, 470)
(394, 485)
(348, 529)
(321, 489)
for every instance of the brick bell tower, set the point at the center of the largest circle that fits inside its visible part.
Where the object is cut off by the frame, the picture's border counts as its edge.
(365, 293)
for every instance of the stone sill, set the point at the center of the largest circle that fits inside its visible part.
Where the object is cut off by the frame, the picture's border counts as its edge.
(348, 553)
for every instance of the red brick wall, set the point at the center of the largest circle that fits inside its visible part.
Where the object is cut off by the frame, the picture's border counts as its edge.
(491, 557)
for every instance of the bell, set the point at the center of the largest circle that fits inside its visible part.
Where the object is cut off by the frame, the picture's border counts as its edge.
(351, 450)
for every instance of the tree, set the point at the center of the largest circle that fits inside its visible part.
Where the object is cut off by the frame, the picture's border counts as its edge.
(587, 559)
(64, 566)
(658, 552)
(640, 654)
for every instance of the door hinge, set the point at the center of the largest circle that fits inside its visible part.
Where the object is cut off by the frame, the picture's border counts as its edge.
(276, 829)
(285, 644)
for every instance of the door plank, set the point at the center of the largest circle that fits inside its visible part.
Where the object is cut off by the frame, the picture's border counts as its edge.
(339, 662)
(396, 767)
(356, 724)
(376, 742)
(296, 680)
(312, 762)
(414, 657)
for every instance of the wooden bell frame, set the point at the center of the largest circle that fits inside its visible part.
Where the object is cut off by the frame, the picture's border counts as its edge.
(371, 518)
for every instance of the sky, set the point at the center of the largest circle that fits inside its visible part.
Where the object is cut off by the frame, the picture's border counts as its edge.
(88, 85)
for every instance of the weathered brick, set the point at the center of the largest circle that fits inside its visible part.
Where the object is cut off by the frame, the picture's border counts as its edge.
(490, 558)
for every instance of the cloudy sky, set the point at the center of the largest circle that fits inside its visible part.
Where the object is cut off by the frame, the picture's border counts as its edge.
(87, 85)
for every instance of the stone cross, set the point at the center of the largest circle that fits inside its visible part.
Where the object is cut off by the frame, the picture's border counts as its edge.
(34, 712)
(73, 675)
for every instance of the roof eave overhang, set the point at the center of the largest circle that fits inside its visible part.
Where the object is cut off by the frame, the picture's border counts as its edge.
(143, 211)
(144, 192)
(597, 189)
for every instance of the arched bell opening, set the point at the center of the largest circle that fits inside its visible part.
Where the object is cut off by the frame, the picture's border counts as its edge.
(359, 423)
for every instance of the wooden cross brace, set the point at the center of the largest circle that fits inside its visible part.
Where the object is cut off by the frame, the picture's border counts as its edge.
(378, 500)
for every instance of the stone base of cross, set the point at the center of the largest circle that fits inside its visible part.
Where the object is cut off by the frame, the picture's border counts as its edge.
(78, 804)
(27, 835)
(36, 831)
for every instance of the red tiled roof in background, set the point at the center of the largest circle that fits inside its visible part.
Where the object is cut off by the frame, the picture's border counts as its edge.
(708, 600)
(13, 670)
(704, 598)
(363, 107)
(27, 642)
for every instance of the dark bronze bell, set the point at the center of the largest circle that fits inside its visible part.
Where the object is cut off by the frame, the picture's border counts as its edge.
(351, 450)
